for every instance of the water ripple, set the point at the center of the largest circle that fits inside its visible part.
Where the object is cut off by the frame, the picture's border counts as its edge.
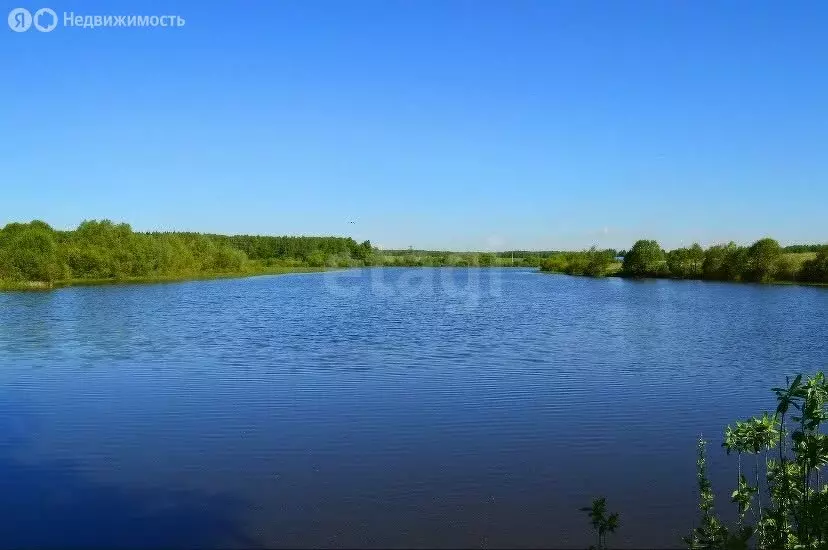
(384, 407)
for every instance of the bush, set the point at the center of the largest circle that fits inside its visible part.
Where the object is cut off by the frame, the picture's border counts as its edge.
(592, 262)
(762, 258)
(29, 252)
(645, 259)
(686, 263)
(725, 262)
(816, 270)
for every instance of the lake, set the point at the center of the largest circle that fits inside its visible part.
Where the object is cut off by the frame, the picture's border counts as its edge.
(382, 407)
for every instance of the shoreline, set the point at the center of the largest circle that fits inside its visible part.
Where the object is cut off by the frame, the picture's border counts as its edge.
(42, 286)
(628, 278)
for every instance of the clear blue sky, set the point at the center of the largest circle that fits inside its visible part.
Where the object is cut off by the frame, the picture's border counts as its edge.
(440, 124)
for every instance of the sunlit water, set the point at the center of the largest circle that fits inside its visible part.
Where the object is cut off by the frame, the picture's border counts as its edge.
(383, 407)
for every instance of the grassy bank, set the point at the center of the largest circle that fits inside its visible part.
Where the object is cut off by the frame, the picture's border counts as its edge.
(24, 285)
(181, 277)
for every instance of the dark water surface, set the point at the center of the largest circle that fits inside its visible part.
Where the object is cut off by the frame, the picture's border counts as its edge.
(384, 407)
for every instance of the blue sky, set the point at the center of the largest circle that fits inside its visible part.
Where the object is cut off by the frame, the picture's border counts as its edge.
(445, 124)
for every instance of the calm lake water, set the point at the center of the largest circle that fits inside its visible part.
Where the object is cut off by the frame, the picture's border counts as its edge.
(381, 407)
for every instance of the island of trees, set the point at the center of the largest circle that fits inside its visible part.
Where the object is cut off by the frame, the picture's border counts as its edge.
(765, 261)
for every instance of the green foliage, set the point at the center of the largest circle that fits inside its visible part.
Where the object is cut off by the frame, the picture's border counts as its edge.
(710, 532)
(487, 260)
(764, 261)
(598, 262)
(762, 258)
(102, 250)
(645, 259)
(601, 522)
(258, 247)
(787, 269)
(36, 253)
(816, 270)
(725, 262)
(799, 248)
(29, 252)
(592, 262)
(531, 260)
(795, 516)
(424, 258)
(686, 263)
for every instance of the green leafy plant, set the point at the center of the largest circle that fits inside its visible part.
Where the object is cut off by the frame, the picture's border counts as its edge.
(790, 509)
(602, 522)
(796, 514)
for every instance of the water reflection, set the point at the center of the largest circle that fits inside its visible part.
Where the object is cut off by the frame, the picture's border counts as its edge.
(56, 503)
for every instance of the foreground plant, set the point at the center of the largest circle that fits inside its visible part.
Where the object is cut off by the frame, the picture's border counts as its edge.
(790, 509)
(796, 514)
(711, 533)
(601, 522)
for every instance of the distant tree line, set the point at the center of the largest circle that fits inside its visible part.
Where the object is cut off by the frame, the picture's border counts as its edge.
(803, 248)
(432, 258)
(314, 251)
(105, 250)
(764, 261)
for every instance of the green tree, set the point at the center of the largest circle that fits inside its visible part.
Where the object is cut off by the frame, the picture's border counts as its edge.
(598, 261)
(816, 269)
(363, 252)
(677, 263)
(644, 259)
(530, 260)
(695, 259)
(592, 262)
(317, 259)
(29, 252)
(555, 263)
(486, 259)
(686, 263)
(762, 258)
(725, 262)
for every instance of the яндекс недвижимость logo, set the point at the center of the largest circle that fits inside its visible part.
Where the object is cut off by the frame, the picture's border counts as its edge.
(44, 20)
